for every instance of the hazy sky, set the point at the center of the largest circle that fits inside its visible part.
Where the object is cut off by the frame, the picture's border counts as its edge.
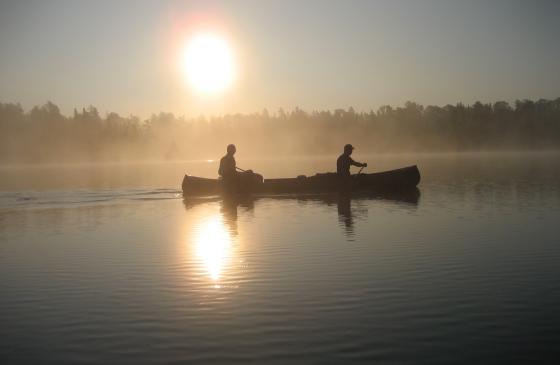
(122, 55)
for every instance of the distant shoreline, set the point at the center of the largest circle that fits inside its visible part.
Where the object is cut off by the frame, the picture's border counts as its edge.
(44, 135)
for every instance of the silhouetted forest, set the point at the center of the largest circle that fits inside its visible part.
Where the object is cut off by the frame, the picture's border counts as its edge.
(43, 134)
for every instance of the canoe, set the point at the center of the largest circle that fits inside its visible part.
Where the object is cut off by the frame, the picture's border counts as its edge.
(402, 179)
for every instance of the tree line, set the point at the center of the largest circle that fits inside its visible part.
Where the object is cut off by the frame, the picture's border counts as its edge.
(44, 134)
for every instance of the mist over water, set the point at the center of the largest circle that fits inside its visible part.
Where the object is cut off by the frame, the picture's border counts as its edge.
(44, 135)
(107, 263)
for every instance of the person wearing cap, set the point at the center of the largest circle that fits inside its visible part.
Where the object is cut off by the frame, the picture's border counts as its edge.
(228, 167)
(344, 162)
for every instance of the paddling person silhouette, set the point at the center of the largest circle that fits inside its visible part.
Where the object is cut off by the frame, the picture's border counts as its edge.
(344, 162)
(235, 181)
(228, 167)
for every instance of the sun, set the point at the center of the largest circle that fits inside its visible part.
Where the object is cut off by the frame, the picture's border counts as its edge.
(208, 63)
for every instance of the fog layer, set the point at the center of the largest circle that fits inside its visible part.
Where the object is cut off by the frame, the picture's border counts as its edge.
(44, 135)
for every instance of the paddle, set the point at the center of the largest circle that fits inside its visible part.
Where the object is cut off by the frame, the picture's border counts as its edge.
(359, 172)
(248, 171)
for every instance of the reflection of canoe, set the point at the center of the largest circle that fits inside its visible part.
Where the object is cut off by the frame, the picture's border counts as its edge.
(409, 197)
(394, 180)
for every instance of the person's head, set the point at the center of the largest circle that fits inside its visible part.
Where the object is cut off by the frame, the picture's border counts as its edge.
(231, 149)
(348, 149)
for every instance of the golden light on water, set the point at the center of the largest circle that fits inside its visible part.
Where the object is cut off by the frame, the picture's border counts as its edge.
(213, 246)
(208, 63)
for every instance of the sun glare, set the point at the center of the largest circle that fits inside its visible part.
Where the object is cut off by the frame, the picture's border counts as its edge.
(208, 63)
(213, 246)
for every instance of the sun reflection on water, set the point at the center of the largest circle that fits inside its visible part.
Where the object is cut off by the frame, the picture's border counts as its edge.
(213, 247)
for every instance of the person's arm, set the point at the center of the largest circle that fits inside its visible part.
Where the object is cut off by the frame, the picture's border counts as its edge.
(231, 167)
(358, 164)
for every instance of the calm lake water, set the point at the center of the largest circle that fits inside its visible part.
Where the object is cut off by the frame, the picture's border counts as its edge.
(108, 264)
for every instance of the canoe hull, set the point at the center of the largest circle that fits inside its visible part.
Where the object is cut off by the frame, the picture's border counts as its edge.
(394, 180)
